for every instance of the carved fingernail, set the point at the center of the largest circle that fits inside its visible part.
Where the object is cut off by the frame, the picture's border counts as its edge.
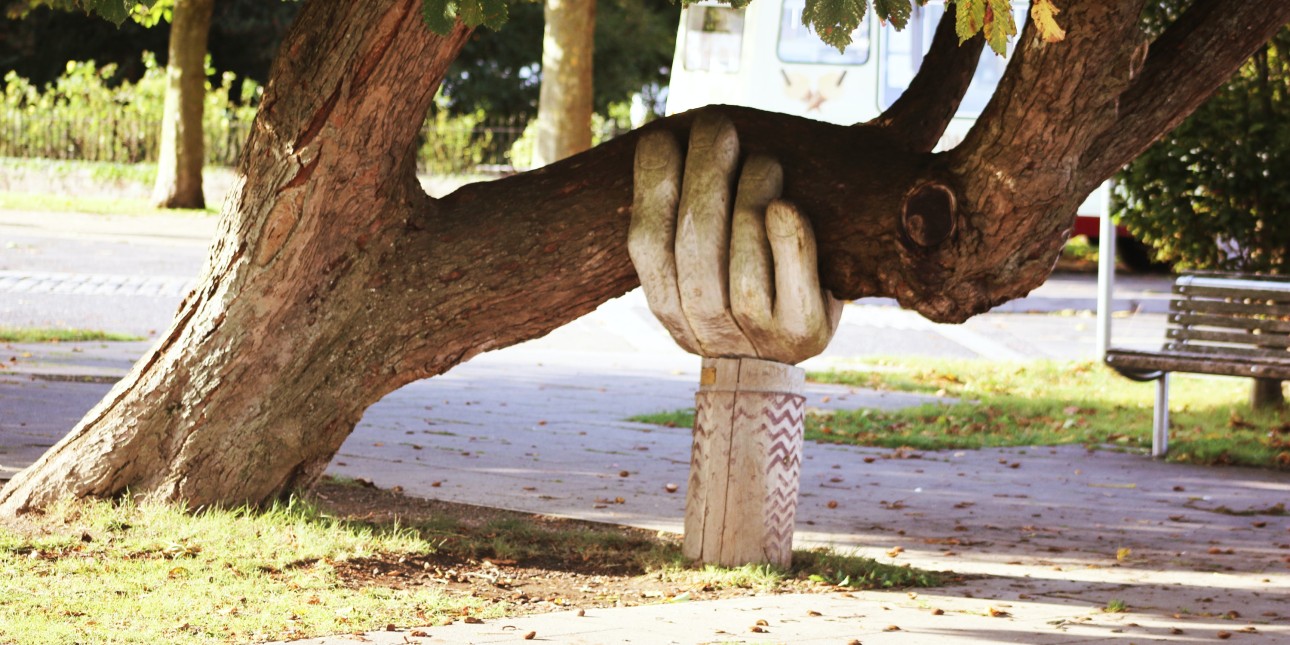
(710, 130)
(656, 151)
(782, 219)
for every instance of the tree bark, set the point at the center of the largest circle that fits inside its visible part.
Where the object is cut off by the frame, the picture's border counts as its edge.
(334, 279)
(179, 164)
(565, 97)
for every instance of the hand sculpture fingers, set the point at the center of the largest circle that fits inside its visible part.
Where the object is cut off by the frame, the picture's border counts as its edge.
(722, 283)
(806, 315)
(703, 238)
(651, 240)
(775, 292)
(752, 286)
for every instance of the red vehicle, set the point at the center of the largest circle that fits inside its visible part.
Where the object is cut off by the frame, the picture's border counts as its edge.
(1134, 254)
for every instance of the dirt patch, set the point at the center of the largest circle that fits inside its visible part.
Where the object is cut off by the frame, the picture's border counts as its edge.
(535, 563)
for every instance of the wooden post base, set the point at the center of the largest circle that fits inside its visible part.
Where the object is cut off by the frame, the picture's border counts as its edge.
(745, 463)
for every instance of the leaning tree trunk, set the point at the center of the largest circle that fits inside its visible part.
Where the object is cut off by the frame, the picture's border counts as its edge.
(334, 279)
(179, 164)
(565, 97)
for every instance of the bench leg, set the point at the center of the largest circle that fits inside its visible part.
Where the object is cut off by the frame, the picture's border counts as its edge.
(1160, 421)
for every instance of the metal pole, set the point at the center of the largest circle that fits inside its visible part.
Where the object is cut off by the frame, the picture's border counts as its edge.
(1105, 273)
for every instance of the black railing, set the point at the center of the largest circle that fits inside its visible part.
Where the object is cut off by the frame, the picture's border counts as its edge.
(448, 145)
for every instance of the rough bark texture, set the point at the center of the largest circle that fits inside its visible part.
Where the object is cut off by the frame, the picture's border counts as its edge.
(335, 280)
(565, 98)
(179, 164)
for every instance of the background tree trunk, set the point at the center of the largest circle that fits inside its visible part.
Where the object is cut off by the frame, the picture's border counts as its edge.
(179, 163)
(334, 279)
(565, 99)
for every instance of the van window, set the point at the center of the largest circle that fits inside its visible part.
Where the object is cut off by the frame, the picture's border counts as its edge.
(798, 44)
(903, 53)
(713, 38)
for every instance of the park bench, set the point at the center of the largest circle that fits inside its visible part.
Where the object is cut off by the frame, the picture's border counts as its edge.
(1225, 324)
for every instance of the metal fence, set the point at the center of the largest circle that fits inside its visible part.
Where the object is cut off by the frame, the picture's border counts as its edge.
(122, 138)
(447, 145)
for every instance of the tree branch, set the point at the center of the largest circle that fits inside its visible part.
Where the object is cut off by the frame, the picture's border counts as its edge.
(1184, 66)
(921, 114)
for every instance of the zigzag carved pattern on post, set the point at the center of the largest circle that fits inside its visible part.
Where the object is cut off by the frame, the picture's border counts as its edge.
(783, 417)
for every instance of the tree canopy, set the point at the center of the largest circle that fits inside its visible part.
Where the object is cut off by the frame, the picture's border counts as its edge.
(833, 20)
(1215, 192)
(498, 71)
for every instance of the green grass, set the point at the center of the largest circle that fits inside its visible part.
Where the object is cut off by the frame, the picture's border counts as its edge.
(1046, 403)
(96, 571)
(103, 572)
(51, 335)
(88, 204)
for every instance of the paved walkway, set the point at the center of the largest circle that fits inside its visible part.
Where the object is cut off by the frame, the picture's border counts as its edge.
(1050, 536)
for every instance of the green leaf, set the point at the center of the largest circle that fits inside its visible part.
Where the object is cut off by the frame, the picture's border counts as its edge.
(895, 12)
(115, 11)
(490, 13)
(970, 16)
(440, 15)
(834, 20)
(999, 25)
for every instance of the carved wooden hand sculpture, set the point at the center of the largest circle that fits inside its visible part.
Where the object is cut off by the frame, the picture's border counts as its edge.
(739, 287)
(741, 284)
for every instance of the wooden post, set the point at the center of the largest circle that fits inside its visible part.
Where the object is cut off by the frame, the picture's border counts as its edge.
(745, 463)
(1266, 393)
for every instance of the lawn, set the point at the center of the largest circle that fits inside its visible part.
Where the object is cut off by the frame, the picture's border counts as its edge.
(991, 403)
(351, 558)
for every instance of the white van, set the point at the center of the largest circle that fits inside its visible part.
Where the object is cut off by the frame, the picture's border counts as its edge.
(762, 56)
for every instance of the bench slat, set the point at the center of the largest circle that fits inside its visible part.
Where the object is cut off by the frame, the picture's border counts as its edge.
(1265, 325)
(1199, 363)
(1222, 307)
(1218, 293)
(1228, 351)
(1274, 289)
(1254, 340)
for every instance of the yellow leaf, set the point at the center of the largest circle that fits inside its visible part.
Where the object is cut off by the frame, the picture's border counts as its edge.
(1123, 553)
(1043, 12)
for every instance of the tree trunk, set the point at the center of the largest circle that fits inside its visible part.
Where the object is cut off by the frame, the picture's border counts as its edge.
(179, 164)
(565, 98)
(334, 279)
(1266, 393)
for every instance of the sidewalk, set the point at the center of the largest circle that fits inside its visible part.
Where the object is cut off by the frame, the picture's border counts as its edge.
(1047, 536)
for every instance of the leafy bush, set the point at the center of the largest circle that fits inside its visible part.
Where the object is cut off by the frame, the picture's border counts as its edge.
(87, 114)
(1215, 192)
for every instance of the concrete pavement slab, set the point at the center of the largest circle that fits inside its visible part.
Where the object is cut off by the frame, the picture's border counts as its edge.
(1055, 533)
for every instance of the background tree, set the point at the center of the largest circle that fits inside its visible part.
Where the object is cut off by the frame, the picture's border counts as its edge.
(38, 41)
(565, 100)
(1215, 192)
(182, 154)
(500, 71)
(335, 279)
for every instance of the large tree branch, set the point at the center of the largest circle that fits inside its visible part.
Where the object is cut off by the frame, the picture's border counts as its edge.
(921, 114)
(1184, 66)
